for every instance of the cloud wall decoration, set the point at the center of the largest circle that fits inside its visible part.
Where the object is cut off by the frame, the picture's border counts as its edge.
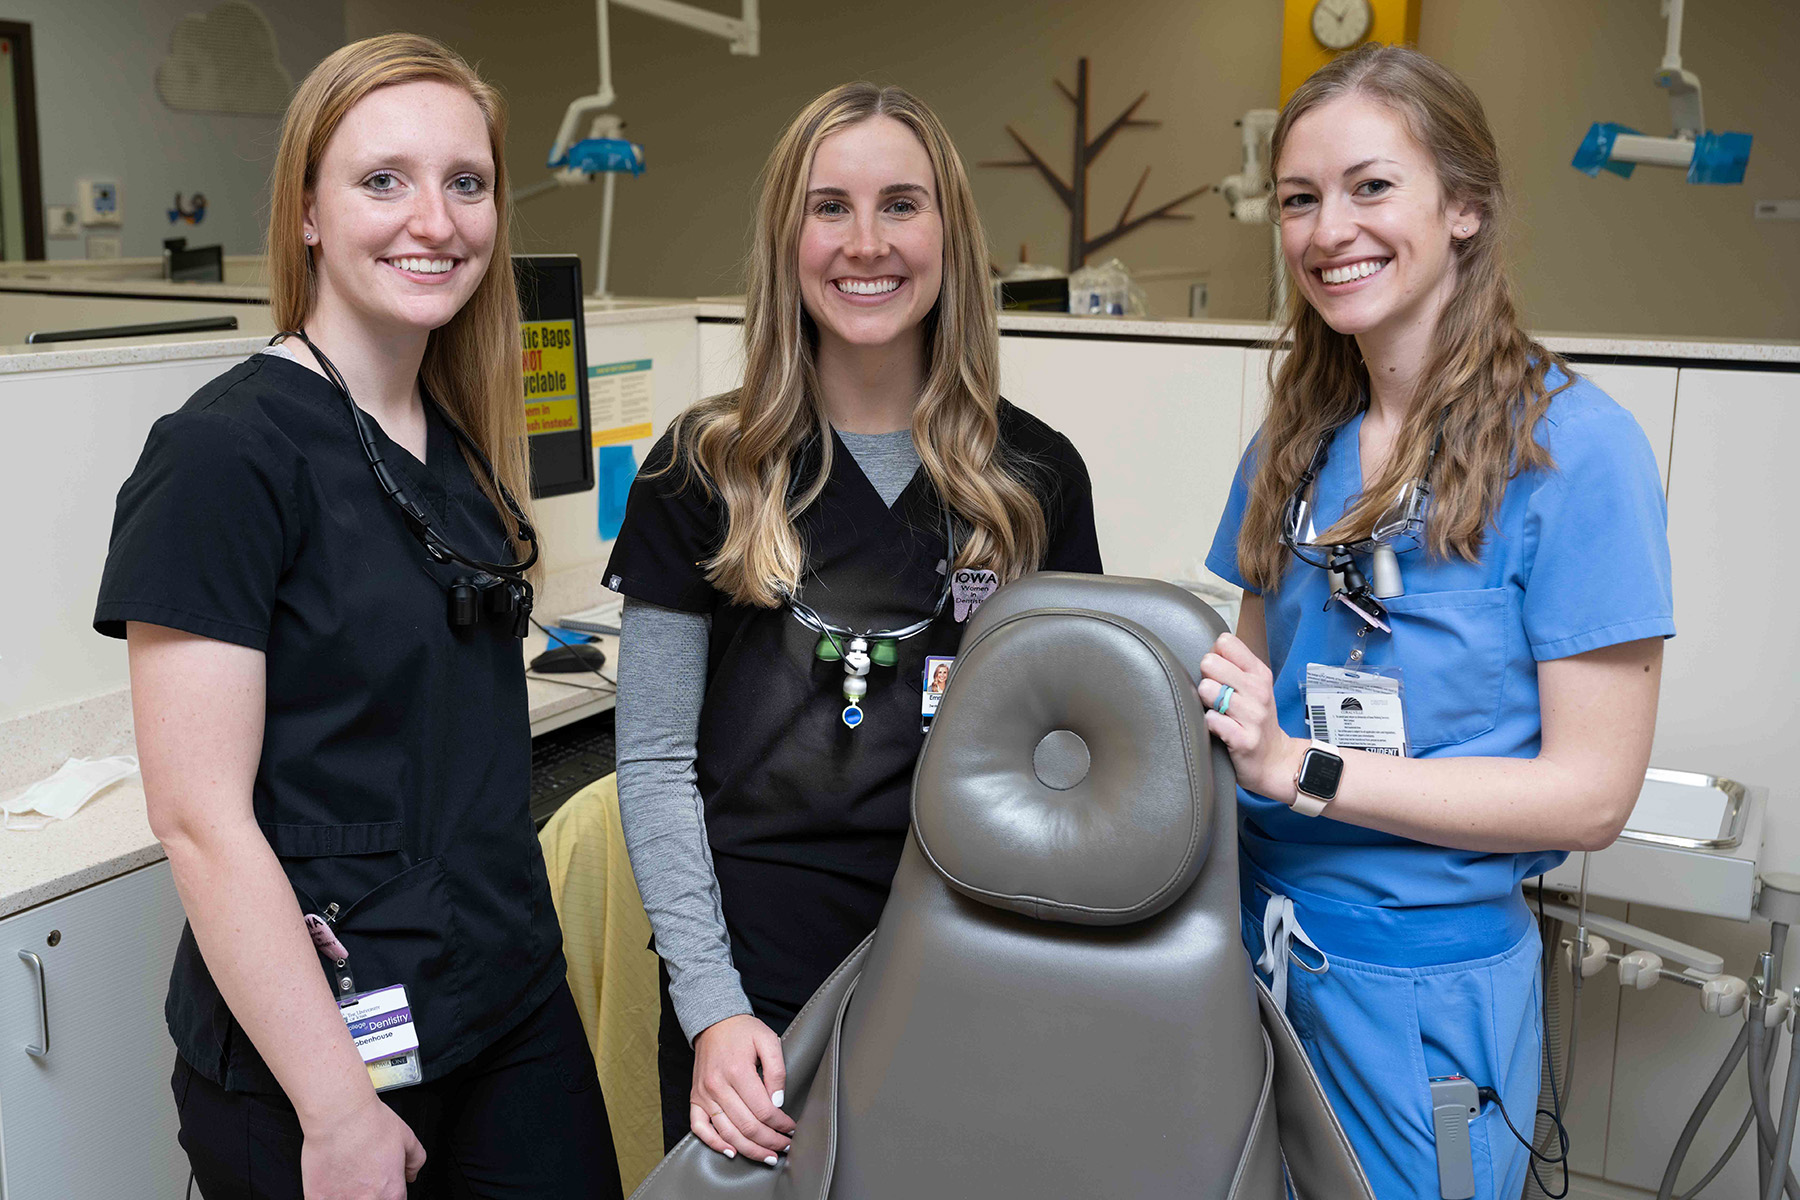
(224, 61)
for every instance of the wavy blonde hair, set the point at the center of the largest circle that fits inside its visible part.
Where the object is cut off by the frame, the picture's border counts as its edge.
(1485, 378)
(742, 445)
(471, 364)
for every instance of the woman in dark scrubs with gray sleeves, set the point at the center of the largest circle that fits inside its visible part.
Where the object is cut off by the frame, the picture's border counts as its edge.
(866, 478)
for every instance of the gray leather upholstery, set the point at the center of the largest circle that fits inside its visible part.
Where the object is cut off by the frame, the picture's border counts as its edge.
(1056, 1001)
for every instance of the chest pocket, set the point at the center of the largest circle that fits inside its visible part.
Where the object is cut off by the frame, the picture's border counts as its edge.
(1453, 646)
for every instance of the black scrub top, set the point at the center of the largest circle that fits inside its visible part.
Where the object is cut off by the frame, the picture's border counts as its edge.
(806, 816)
(395, 770)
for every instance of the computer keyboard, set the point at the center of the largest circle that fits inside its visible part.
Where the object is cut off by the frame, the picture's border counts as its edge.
(566, 760)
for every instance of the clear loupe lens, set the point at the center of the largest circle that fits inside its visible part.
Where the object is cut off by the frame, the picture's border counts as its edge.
(1293, 521)
(1403, 524)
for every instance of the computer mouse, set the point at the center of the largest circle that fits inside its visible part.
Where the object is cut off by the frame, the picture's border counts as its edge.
(583, 656)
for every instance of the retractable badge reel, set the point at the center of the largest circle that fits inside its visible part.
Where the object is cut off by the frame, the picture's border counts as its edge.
(380, 1022)
(1357, 706)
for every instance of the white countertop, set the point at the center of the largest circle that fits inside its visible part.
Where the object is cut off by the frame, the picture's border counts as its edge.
(628, 310)
(159, 289)
(1259, 333)
(111, 834)
(112, 352)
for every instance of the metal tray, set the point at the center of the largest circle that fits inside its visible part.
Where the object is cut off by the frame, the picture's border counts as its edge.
(1731, 821)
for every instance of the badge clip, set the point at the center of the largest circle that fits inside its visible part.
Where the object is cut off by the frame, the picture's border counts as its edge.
(380, 1022)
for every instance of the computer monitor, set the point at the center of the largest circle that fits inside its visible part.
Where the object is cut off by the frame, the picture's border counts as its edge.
(196, 264)
(551, 335)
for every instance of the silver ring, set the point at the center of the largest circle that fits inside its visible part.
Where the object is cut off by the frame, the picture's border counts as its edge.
(1224, 700)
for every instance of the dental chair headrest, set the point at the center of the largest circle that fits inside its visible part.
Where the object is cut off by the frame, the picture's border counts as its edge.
(1068, 775)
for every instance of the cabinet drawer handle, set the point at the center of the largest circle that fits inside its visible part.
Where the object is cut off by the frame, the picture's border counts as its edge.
(42, 1049)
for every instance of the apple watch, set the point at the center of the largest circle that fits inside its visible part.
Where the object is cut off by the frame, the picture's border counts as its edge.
(1316, 783)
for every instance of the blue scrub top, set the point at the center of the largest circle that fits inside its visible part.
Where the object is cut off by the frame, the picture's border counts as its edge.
(1577, 558)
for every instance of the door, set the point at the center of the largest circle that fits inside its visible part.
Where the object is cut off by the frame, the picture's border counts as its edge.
(21, 194)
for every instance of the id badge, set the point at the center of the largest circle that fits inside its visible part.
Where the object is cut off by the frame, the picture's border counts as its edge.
(931, 693)
(1358, 709)
(381, 1023)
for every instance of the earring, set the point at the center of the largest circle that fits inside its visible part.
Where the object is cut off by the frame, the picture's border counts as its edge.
(309, 237)
(1462, 229)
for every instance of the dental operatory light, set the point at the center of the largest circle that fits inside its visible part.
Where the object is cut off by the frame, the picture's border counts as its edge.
(1708, 157)
(605, 153)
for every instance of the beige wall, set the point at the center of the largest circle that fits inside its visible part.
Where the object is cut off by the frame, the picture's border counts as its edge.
(1649, 255)
(1652, 254)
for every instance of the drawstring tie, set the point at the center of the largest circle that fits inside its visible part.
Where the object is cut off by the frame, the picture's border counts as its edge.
(1281, 929)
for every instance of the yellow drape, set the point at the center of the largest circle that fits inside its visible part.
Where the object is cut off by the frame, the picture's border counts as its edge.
(612, 971)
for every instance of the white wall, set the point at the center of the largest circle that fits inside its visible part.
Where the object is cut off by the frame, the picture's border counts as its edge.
(99, 117)
(72, 437)
(569, 525)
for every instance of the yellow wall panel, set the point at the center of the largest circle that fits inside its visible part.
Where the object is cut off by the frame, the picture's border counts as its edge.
(1396, 21)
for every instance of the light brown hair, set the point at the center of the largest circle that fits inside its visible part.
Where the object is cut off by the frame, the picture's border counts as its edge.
(471, 363)
(1485, 377)
(744, 442)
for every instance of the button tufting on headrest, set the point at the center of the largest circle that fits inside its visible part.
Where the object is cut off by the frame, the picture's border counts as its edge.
(1061, 760)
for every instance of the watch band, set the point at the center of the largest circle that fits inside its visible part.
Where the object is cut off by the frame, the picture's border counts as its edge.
(1308, 806)
(1305, 803)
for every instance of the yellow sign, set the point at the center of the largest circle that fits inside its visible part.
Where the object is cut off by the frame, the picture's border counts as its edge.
(551, 396)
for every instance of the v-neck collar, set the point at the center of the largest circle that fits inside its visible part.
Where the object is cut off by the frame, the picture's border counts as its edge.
(856, 475)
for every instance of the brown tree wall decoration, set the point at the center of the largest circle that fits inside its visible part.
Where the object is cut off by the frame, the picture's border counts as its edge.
(1074, 192)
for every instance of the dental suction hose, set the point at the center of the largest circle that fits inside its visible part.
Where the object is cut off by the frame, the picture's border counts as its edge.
(1784, 1143)
(1701, 1110)
(1772, 1175)
(1756, 1046)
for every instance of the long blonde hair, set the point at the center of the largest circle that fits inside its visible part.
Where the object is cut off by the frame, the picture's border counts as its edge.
(471, 363)
(743, 443)
(1485, 378)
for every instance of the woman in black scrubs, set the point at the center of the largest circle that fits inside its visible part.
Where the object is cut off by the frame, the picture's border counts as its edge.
(797, 558)
(332, 744)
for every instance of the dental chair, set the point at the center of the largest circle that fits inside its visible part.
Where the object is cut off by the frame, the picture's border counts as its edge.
(1056, 1002)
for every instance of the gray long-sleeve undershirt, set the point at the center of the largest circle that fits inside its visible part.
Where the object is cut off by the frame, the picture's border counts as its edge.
(662, 684)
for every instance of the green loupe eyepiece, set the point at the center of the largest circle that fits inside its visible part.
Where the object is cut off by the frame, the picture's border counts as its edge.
(885, 653)
(827, 649)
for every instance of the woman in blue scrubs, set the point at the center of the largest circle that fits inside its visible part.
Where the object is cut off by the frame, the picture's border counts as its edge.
(1382, 875)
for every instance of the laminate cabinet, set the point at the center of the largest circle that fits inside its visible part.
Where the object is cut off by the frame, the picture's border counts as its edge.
(85, 1109)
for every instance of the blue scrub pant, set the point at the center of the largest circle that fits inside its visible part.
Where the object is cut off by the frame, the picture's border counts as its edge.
(1377, 1031)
